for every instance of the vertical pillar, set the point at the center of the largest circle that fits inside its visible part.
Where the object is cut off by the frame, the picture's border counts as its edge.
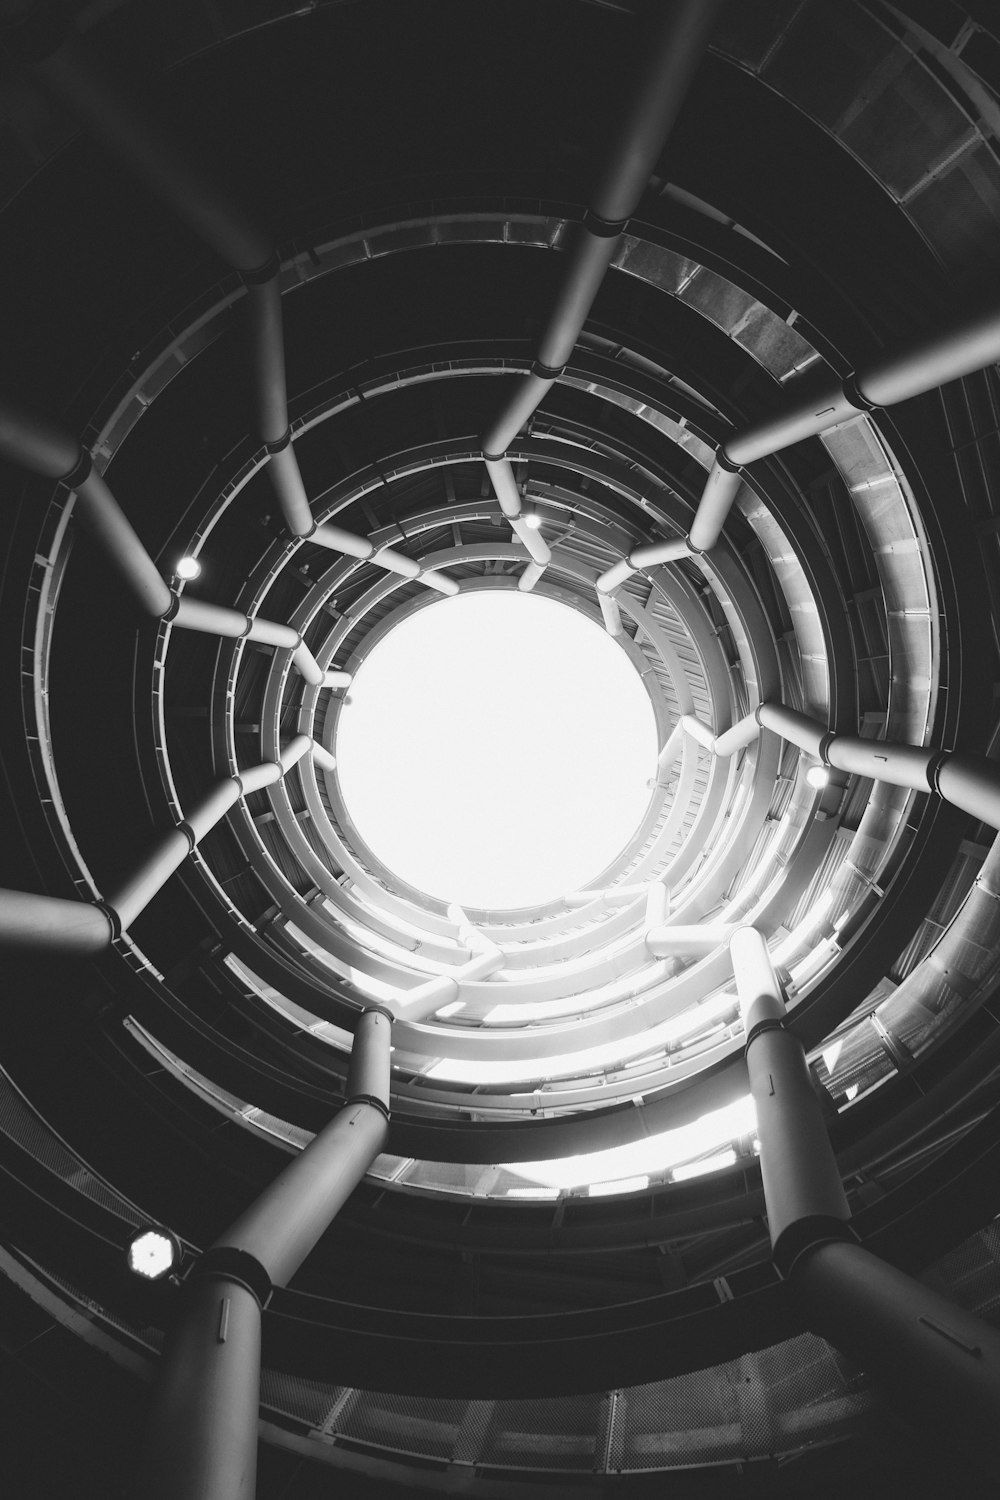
(802, 1188)
(51, 924)
(941, 1362)
(971, 782)
(669, 53)
(202, 1439)
(821, 399)
(721, 488)
(201, 1443)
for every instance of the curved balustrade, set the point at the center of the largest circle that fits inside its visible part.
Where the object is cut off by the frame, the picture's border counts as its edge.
(923, 1344)
(49, 924)
(598, 993)
(665, 67)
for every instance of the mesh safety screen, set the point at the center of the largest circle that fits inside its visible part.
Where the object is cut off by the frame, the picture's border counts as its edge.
(427, 1425)
(308, 1401)
(762, 1403)
(970, 1274)
(560, 1433)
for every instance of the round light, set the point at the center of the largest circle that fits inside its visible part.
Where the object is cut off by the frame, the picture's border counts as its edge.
(153, 1253)
(494, 718)
(818, 777)
(188, 567)
(533, 521)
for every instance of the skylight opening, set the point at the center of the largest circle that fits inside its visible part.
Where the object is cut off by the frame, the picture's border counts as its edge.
(496, 750)
(651, 1156)
(716, 1163)
(623, 1185)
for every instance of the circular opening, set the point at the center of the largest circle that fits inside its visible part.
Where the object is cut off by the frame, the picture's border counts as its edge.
(496, 750)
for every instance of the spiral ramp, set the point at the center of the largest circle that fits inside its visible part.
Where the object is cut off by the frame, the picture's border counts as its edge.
(555, 1276)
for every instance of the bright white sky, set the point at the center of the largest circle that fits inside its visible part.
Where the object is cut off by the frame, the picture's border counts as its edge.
(650, 1155)
(496, 750)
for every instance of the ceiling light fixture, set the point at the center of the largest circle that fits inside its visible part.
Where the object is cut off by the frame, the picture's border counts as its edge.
(153, 1253)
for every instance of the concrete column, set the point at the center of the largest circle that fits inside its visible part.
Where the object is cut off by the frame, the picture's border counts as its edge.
(280, 1228)
(202, 1436)
(939, 1362)
(134, 894)
(802, 1188)
(201, 1443)
(971, 782)
(821, 400)
(50, 924)
(669, 52)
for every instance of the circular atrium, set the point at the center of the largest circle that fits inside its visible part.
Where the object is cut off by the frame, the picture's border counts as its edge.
(501, 516)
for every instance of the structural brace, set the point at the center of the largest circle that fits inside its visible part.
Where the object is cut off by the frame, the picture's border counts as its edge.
(53, 925)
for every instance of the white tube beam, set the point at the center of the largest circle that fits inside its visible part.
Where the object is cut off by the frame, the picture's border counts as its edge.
(648, 556)
(396, 562)
(698, 731)
(612, 616)
(797, 729)
(444, 989)
(419, 1003)
(322, 757)
(504, 484)
(823, 400)
(756, 982)
(530, 577)
(214, 806)
(802, 1186)
(688, 941)
(475, 940)
(971, 782)
(656, 905)
(742, 733)
(467, 934)
(615, 576)
(672, 747)
(282, 465)
(231, 624)
(439, 581)
(655, 553)
(338, 540)
(483, 965)
(530, 538)
(307, 665)
(669, 52)
(271, 633)
(716, 501)
(134, 894)
(213, 619)
(107, 523)
(612, 895)
(283, 1224)
(294, 751)
(50, 924)
(363, 548)
(258, 777)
